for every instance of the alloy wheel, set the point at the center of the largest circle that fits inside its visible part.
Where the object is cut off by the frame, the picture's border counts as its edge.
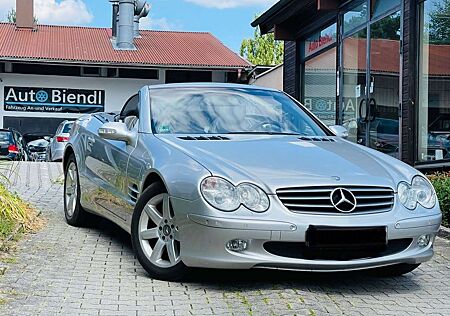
(71, 189)
(158, 232)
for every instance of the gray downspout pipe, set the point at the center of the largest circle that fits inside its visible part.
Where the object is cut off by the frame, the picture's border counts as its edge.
(136, 26)
(126, 25)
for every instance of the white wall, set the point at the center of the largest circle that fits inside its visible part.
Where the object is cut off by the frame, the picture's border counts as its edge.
(270, 79)
(117, 91)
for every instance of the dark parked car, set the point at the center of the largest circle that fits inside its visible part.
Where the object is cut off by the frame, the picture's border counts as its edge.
(37, 144)
(12, 145)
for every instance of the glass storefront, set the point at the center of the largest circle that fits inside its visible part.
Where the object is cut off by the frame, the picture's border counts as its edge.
(367, 87)
(319, 90)
(433, 129)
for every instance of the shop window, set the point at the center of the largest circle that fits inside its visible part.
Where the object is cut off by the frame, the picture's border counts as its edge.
(355, 17)
(177, 76)
(112, 72)
(380, 7)
(91, 71)
(434, 81)
(319, 86)
(51, 70)
(2, 67)
(133, 73)
(320, 40)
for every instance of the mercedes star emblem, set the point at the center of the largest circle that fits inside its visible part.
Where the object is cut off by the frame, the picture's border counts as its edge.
(343, 200)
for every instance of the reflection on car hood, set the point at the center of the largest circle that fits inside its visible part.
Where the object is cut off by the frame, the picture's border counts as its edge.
(281, 161)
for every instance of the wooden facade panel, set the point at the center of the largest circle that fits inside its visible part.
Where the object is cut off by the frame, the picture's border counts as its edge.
(290, 61)
(408, 141)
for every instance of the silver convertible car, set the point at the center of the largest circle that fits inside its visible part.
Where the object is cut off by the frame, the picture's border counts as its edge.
(238, 177)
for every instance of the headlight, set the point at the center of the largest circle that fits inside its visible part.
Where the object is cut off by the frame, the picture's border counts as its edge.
(224, 196)
(253, 197)
(419, 191)
(220, 193)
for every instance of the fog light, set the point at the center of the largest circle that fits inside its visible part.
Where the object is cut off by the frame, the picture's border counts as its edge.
(423, 240)
(237, 245)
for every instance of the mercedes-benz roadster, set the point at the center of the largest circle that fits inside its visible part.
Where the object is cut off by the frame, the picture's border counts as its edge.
(238, 177)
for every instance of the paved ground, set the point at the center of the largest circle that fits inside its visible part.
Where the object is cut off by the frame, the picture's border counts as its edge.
(92, 271)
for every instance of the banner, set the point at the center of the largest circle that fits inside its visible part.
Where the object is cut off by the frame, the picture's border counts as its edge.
(55, 100)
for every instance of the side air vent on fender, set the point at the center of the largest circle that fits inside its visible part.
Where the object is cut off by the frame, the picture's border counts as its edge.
(204, 138)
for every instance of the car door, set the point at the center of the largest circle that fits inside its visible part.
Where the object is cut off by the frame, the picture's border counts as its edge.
(108, 161)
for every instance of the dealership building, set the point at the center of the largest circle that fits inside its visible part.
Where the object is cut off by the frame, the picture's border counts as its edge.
(381, 68)
(52, 73)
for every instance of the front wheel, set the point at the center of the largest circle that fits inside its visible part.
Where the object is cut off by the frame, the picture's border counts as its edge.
(154, 234)
(75, 215)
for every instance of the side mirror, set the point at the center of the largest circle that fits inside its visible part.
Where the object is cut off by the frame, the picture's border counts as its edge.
(47, 138)
(339, 130)
(117, 131)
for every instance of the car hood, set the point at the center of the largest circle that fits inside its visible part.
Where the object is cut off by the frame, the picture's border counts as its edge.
(282, 161)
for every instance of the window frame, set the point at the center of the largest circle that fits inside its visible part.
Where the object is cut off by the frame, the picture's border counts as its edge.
(123, 113)
(432, 164)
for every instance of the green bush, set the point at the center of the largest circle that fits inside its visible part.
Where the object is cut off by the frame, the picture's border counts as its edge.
(441, 183)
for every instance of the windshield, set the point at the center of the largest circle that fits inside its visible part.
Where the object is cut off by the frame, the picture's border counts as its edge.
(5, 136)
(228, 111)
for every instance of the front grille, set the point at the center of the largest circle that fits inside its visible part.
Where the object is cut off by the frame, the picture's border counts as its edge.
(317, 199)
(299, 250)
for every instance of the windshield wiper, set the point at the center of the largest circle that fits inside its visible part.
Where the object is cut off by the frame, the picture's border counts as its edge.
(266, 133)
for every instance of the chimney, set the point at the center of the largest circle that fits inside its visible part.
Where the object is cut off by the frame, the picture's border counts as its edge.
(126, 25)
(141, 10)
(25, 14)
(115, 16)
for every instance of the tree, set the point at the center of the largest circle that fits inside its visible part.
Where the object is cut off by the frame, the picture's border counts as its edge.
(262, 49)
(439, 26)
(11, 17)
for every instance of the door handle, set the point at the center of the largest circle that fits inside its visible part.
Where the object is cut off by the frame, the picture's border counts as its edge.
(364, 118)
(372, 109)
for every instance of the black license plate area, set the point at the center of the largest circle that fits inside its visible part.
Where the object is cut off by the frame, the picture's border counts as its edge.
(346, 237)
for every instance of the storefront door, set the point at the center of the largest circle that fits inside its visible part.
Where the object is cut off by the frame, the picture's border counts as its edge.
(370, 60)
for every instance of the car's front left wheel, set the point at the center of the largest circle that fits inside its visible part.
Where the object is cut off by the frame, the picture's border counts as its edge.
(75, 215)
(154, 234)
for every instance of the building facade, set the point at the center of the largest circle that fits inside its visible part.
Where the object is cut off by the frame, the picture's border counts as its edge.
(271, 78)
(381, 68)
(52, 73)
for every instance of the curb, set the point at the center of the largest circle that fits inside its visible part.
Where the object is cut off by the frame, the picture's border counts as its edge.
(444, 232)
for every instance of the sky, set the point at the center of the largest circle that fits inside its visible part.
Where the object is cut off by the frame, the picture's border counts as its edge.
(228, 20)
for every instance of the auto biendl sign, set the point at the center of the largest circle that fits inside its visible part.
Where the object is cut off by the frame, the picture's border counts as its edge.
(56, 100)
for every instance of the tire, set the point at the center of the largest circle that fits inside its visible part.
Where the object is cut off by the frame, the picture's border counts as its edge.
(75, 215)
(154, 235)
(394, 270)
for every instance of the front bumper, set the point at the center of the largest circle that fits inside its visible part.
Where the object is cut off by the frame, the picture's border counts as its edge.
(204, 233)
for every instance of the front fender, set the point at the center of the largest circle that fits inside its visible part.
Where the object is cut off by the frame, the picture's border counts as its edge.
(180, 173)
